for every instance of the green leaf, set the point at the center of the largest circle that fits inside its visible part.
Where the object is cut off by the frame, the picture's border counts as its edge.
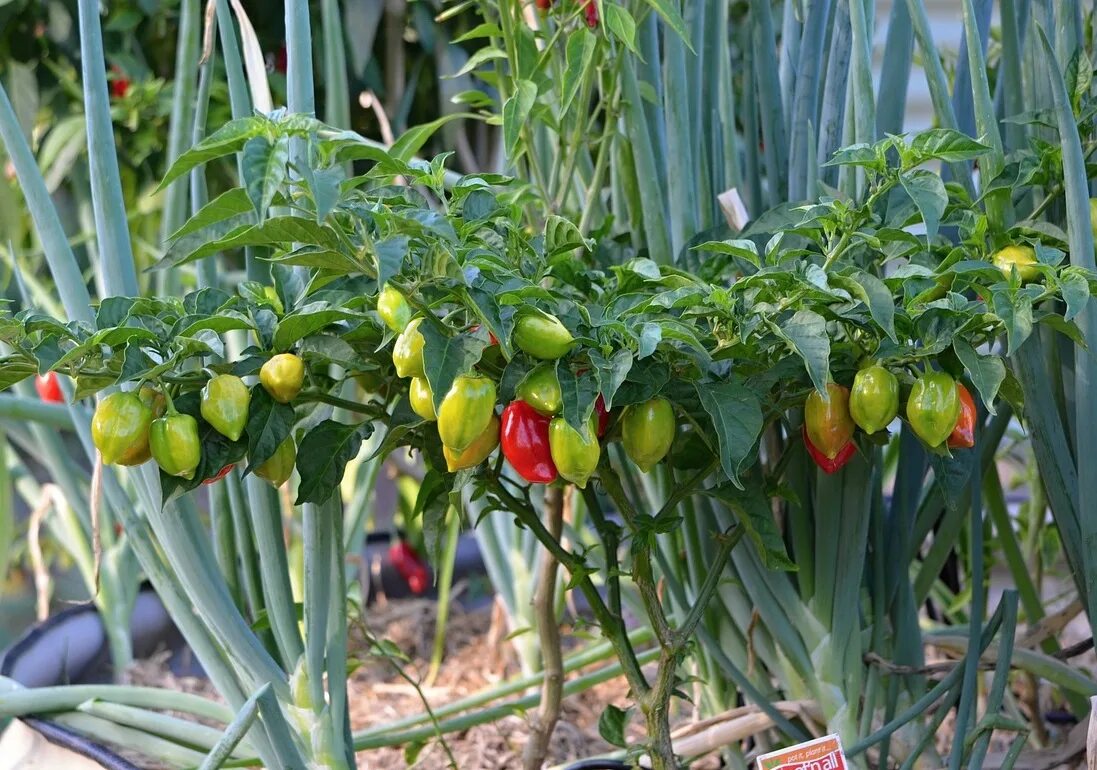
(741, 247)
(561, 235)
(449, 357)
(275, 231)
(579, 53)
(412, 140)
(227, 205)
(1015, 310)
(579, 393)
(306, 320)
(806, 331)
(752, 508)
(322, 457)
(263, 167)
(226, 140)
(1075, 290)
(621, 24)
(928, 193)
(876, 296)
(269, 424)
(668, 9)
(737, 419)
(986, 372)
(945, 144)
(613, 721)
(485, 54)
(325, 185)
(515, 113)
(611, 372)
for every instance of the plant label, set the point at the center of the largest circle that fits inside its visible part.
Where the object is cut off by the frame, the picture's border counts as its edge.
(820, 754)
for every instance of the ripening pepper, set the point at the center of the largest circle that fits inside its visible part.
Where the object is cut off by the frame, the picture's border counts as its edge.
(407, 353)
(541, 390)
(120, 428)
(282, 376)
(933, 407)
(466, 411)
(647, 432)
(827, 464)
(279, 466)
(219, 475)
(828, 422)
(963, 435)
(174, 442)
(603, 415)
(524, 437)
(575, 453)
(49, 388)
(1022, 256)
(874, 398)
(407, 562)
(541, 335)
(421, 399)
(393, 309)
(590, 13)
(158, 403)
(153, 399)
(225, 401)
(476, 452)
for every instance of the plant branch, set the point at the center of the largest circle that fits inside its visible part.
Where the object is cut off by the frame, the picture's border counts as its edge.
(544, 610)
(613, 628)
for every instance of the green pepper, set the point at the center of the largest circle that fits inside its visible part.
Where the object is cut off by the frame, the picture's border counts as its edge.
(466, 411)
(282, 376)
(574, 453)
(422, 399)
(541, 335)
(279, 466)
(541, 390)
(829, 425)
(120, 429)
(874, 398)
(225, 401)
(648, 431)
(407, 353)
(393, 309)
(174, 442)
(933, 408)
(476, 452)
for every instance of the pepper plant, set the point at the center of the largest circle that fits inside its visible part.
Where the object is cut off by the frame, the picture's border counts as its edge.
(484, 303)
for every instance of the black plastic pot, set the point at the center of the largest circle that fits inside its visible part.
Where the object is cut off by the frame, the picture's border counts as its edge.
(70, 647)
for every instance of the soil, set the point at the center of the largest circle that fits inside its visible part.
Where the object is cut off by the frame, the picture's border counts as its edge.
(477, 657)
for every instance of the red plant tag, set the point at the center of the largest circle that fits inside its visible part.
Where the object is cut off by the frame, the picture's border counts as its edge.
(820, 754)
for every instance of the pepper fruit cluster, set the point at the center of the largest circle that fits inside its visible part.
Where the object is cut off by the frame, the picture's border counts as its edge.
(940, 411)
(130, 428)
(537, 441)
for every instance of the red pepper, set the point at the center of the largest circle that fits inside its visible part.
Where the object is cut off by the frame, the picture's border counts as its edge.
(119, 84)
(544, 5)
(524, 436)
(407, 562)
(963, 435)
(492, 339)
(828, 465)
(590, 11)
(220, 474)
(603, 415)
(49, 388)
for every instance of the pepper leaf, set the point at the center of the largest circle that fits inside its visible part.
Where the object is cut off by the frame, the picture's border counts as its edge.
(322, 456)
(737, 418)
